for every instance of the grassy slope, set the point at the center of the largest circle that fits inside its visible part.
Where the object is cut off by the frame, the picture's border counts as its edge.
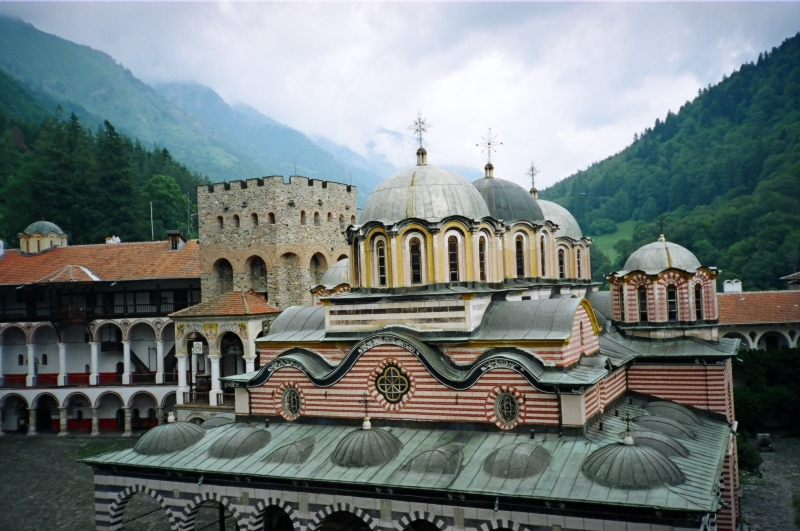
(606, 242)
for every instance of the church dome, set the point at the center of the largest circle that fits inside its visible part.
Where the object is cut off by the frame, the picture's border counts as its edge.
(658, 256)
(508, 201)
(516, 461)
(239, 442)
(218, 420)
(338, 274)
(43, 227)
(169, 438)
(423, 192)
(631, 466)
(567, 225)
(366, 447)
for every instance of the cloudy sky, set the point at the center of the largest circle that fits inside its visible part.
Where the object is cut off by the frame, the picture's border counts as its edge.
(563, 85)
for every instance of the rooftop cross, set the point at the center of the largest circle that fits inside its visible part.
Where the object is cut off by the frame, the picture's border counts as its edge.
(661, 229)
(533, 171)
(420, 127)
(628, 420)
(488, 144)
(364, 401)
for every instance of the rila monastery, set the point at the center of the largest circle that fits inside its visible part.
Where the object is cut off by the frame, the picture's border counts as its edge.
(440, 361)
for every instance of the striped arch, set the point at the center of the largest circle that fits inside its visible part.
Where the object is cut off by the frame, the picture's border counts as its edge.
(257, 518)
(25, 331)
(317, 519)
(116, 510)
(43, 324)
(190, 511)
(501, 523)
(101, 324)
(146, 322)
(407, 519)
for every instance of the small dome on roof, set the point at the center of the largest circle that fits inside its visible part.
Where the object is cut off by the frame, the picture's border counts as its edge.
(663, 443)
(169, 438)
(43, 227)
(366, 447)
(508, 201)
(219, 420)
(567, 225)
(445, 459)
(665, 425)
(338, 274)
(423, 192)
(294, 453)
(239, 442)
(516, 461)
(673, 411)
(631, 466)
(658, 256)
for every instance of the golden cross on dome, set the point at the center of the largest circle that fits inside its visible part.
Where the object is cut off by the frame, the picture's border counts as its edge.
(488, 144)
(420, 127)
(533, 171)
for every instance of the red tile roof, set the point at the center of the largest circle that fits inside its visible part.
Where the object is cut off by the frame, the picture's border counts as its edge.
(70, 273)
(121, 261)
(229, 304)
(753, 307)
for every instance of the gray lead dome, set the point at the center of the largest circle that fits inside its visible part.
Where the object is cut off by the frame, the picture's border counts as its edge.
(239, 442)
(361, 448)
(423, 192)
(631, 466)
(508, 201)
(658, 256)
(169, 438)
(567, 225)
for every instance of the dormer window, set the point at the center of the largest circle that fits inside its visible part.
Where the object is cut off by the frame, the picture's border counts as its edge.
(176, 240)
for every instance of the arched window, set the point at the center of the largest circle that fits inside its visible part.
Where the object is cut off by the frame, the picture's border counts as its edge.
(622, 303)
(482, 258)
(341, 222)
(452, 258)
(86, 369)
(356, 264)
(316, 218)
(38, 246)
(698, 302)
(562, 273)
(254, 219)
(543, 244)
(271, 218)
(330, 217)
(578, 262)
(352, 220)
(44, 359)
(519, 244)
(302, 217)
(415, 254)
(236, 222)
(380, 255)
(672, 303)
(20, 360)
(641, 294)
(79, 414)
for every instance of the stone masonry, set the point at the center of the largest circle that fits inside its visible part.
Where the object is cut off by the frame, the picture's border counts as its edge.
(291, 231)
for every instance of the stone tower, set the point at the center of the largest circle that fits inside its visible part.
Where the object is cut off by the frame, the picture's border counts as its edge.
(272, 236)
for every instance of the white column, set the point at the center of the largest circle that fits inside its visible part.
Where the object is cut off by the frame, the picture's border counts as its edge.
(2, 378)
(94, 376)
(126, 362)
(62, 426)
(62, 364)
(127, 412)
(193, 372)
(159, 361)
(393, 242)
(31, 422)
(435, 258)
(215, 388)
(95, 422)
(182, 387)
(250, 355)
(30, 381)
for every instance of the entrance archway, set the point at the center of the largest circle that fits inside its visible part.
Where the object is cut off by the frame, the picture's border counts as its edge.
(773, 341)
(47, 415)
(15, 414)
(343, 521)
(142, 512)
(231, 350)
(109, 412)
(79, 412)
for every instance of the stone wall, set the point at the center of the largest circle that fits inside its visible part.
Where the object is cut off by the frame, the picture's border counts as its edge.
(295, 228)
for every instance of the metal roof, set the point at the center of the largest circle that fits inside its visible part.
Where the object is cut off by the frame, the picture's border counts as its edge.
(560, 480)
(659, 256)
(423, 192)
(544, 319)
(631, 466)
(169, 438)
(619, 347)
(338, 274)
(43, 227)
(297, 323)
(567, 225)
(508, 201)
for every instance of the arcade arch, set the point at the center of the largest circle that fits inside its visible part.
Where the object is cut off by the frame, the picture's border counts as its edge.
(14, 410)
(110, 415)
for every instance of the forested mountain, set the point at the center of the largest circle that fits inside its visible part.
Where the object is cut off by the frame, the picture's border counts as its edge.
(723, 174)
(93, 183)
(193, 122)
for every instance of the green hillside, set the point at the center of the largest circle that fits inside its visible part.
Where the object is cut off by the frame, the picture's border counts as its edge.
(723, 173)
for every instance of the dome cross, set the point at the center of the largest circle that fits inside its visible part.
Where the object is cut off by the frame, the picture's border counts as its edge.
(488, 145)
(420, 127)
(533, 171)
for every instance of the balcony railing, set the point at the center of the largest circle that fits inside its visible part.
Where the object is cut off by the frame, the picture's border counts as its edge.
(14, 380)
(194, 397)
(110, 378)
(46, 380)
(78, 379)
(143, 378)
(226, 399)
(91, 312)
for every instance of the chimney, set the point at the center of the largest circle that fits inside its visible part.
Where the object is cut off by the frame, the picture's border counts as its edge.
(176, 240)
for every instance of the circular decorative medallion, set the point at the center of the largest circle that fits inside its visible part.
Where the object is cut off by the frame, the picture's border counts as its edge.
(392, 384)
(292, 403)
(506, 408)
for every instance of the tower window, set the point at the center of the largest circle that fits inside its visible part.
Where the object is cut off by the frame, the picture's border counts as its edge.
(316, 218)
(44, 359)
(622, 303)
(236, 221)
(416, 260)
(330, 217)
(581, 330)
(380, 249)
(672, 303)
(220, 222)
(254, 219)
(452, 253)
(271, 218)
(562, 273)
(302, 217)
(642, 298)
(541, 252)
(482, 258)
(578, 261)
(698, 302)
(520, 253)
